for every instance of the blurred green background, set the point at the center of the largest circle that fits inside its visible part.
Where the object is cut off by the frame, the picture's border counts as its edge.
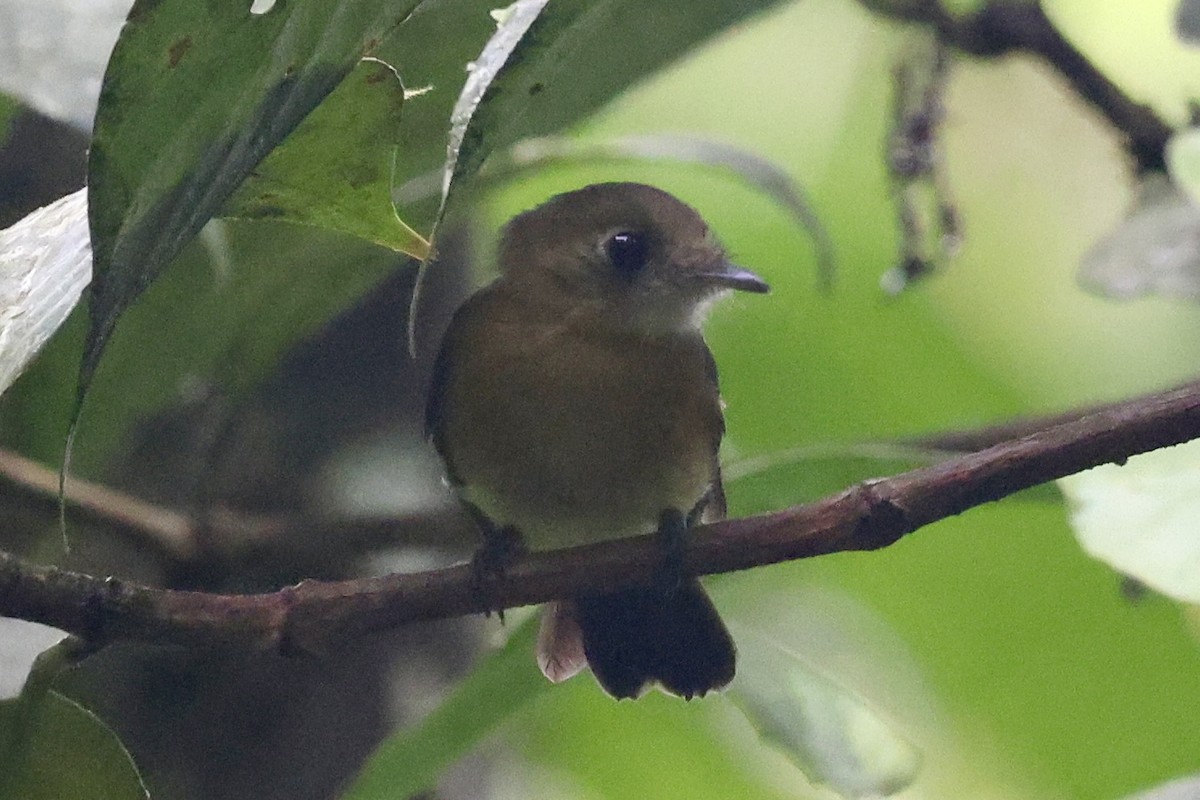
(1018, 665)
(1050, 682)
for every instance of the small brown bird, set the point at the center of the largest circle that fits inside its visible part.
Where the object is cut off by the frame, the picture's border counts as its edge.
(575, 400)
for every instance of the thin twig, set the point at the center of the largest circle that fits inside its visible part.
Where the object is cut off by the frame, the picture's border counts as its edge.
(228, 534)
(27, 484)
(1005, 27)
(314, 616)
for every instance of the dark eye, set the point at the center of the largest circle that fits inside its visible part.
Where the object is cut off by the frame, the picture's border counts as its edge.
(627, 251)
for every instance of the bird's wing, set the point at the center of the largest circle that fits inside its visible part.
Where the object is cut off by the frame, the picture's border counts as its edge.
(460, 328)
(714, 507)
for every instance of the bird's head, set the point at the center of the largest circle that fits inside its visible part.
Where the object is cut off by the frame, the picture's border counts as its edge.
(635, 256)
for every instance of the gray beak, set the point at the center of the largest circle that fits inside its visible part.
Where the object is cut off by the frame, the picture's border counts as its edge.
(731, 276)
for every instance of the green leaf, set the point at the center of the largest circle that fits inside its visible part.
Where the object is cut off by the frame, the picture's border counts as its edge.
(548, 65)
(66, 752)
(219, 320)
(334, 175)
(1140, 518)
(52, 748)
(9, 109)
(195, 96)
(412, 760)
(433, 77)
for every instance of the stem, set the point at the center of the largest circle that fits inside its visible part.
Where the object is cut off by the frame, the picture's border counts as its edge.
(313, 616)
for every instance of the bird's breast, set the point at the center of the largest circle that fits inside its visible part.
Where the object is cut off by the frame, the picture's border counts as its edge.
(575, 438)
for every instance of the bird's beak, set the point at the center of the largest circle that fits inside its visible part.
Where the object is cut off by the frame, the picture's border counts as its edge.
(731, 276)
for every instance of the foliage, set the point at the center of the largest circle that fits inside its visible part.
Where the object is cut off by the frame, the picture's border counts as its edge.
(1014, 663)
(52, 747)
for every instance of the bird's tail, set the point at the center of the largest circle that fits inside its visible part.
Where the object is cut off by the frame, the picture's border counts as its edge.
(636, 637)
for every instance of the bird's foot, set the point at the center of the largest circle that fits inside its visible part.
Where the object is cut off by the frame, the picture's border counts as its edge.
(501, 546)
(671, 573)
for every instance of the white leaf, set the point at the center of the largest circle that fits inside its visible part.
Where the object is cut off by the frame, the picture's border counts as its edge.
(45, 262)
(829, 731)
(54, 52)
(512, 24)
(20, 644)
(1180, 789)
(1143, 519)
(1154, 250)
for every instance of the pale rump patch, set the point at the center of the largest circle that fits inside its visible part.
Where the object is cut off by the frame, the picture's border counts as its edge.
(560, 643)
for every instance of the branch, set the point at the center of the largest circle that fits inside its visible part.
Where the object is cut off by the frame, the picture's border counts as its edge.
(1004, 27)
(179, 538)
(313, 616)
(28, 485)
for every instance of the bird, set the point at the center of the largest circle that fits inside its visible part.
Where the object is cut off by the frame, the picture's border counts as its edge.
(575, 400)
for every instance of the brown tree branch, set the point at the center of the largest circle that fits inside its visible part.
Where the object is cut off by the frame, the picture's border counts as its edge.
(1002, 27)
(313, 616)
(27, 485)
(177, 537)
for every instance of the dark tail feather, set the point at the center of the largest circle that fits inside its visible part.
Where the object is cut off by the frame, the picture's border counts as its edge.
(639, 636)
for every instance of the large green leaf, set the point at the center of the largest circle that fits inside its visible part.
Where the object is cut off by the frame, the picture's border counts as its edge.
(334, 175)
(52, 748)
(195, 96)
(65, 753)
(549, 64)
(434, 78)
(219, 321)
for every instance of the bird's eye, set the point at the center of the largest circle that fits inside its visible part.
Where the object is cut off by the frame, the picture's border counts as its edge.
(627, 251)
